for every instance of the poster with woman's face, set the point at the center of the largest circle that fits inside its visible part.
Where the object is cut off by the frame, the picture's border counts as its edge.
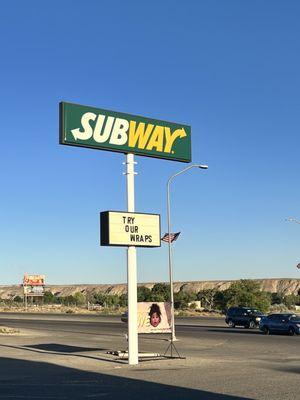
(154, 317)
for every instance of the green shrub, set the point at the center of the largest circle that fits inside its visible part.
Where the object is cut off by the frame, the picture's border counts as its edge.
(49, 298)
(18, 299)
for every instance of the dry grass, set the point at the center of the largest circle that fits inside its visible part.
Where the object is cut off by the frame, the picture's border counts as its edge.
(58, 308)
(4, 330)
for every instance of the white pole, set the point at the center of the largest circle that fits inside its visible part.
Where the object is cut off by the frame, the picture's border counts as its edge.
(131, 271)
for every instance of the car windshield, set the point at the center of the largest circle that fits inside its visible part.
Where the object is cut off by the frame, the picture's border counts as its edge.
(253, 311)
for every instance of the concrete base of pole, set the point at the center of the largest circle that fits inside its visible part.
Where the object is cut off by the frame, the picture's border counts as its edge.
(124, 354)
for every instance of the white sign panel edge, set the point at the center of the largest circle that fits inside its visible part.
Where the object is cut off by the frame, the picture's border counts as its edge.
(120, 228)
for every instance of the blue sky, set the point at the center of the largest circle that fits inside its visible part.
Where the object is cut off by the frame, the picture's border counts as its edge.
(229, 69)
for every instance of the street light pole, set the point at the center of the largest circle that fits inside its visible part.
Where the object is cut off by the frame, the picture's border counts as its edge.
(173, 336)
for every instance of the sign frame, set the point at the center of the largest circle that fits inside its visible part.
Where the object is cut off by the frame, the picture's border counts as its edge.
(130, 150)
(148, 308)
(104, 229)
(34, 280)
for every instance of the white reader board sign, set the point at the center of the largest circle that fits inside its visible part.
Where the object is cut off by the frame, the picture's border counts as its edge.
(129, 229)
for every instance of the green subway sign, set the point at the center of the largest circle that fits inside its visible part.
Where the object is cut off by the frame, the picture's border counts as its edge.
(125, 133)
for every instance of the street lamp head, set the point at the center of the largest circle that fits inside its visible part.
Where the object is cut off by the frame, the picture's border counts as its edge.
(203, 166)
(290, 219)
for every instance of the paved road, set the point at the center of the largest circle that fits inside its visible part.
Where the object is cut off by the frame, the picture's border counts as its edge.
(221, 363)
(205, 329)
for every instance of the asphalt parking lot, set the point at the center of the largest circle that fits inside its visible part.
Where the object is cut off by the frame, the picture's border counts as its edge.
(65, 357)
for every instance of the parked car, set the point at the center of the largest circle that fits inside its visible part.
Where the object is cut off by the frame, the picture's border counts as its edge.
(243, 316)
(124, 317)
(281, 323)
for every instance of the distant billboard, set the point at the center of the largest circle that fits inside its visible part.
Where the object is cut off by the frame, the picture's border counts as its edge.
(154, 317)
(34, 290)
(33, 280)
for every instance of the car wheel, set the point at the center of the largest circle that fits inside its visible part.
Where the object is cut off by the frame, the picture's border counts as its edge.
(291, 331)
(251, 324)
(266, 330)
(231, 324)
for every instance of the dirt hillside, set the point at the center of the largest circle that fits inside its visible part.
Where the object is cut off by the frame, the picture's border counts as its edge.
(285, 286)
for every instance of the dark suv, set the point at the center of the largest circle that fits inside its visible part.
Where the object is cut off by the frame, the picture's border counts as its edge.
(243, 316)
(281, 323)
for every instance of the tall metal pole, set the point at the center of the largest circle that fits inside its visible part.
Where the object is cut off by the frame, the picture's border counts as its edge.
(173, 335)
(131, 270)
